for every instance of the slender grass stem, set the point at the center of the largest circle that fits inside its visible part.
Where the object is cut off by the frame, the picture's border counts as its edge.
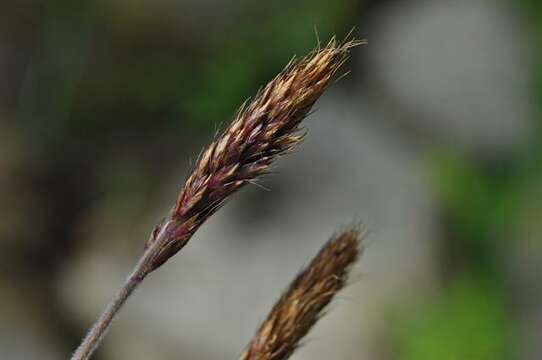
(100, 327)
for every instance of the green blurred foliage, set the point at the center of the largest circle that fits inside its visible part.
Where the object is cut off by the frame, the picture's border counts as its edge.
(480, 199)
(468, 322)
(532, 11)
(47, 93)
(484, 202)
(83, 81)
(483, 198)
(244, 57)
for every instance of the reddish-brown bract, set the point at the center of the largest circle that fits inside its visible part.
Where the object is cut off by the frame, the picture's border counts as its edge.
(301, 306)
(261, 131)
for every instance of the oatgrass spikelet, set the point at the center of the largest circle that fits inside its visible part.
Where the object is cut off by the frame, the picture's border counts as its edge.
(300, 307)
(261, 131)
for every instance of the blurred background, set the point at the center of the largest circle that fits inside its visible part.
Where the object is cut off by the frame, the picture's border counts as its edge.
(433, 141)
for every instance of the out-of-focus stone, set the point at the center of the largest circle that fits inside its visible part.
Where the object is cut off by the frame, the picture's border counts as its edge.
(454, 69)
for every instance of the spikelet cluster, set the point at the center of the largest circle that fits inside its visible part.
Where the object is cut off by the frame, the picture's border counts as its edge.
(300, 307)
(263, 129)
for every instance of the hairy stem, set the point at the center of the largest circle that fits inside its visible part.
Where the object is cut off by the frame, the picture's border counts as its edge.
(100, 327)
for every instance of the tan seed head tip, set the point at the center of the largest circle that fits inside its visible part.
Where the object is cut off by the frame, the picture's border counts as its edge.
(307, 297)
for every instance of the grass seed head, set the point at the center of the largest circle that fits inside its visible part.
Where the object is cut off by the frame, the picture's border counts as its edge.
(263, 129)
(300, 307)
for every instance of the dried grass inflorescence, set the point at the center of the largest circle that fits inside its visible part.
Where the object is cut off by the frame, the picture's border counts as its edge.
(296, 312)
(261, 131)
